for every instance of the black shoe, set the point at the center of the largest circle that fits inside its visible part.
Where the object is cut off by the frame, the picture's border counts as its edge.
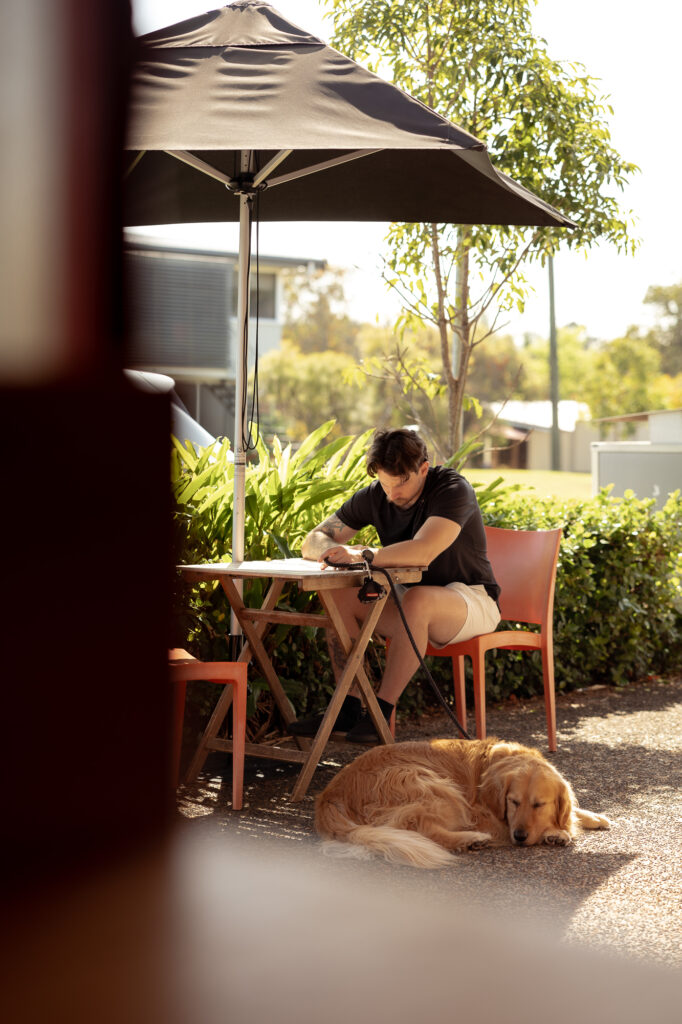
(348, 716)
(365, 730)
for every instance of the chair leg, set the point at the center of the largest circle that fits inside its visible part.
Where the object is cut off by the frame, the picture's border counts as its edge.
(212, 729)
(550, 698)
(478, 661)
(459, 683)
(238, 741)
(179, 692)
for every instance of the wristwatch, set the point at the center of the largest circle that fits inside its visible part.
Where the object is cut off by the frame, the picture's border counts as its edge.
(368, 555)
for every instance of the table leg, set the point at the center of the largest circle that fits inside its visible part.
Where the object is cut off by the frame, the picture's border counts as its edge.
(360, 675)
(255, 645)
(352, 670)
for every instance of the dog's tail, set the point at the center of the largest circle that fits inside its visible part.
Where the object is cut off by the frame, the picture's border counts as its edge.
(397, 845)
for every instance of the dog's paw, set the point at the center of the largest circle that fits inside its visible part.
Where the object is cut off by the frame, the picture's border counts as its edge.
(588, 819)
(559, 838)
(478, 840)
(599, 821)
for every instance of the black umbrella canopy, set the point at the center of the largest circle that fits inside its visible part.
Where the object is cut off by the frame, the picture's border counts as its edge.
(326, 139)
(239, 102)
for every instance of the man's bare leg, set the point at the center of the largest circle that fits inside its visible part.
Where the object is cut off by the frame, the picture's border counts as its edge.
(352, 613)
(432, 613)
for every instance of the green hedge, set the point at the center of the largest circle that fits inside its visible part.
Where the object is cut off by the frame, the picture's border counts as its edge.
(617, 601)
(617, 611)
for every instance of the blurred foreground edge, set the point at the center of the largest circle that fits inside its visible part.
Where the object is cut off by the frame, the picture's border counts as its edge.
(86, 552)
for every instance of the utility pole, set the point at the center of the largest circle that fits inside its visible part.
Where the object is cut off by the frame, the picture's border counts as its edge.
(553, 371)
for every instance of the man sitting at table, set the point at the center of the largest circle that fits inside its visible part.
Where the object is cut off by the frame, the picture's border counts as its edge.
(424, 516)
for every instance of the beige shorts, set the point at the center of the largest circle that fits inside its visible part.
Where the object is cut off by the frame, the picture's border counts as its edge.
(483, 615)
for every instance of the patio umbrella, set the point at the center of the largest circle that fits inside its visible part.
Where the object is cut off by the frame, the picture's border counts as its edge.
(238, 103)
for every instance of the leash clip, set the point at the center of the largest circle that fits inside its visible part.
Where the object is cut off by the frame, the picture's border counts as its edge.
(370, 590)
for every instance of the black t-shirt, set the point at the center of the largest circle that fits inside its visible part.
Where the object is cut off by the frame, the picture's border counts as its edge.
(445, 494)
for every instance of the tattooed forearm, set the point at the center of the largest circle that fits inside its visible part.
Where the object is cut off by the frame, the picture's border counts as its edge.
(332, 527)
(325, 536)
(315, 544)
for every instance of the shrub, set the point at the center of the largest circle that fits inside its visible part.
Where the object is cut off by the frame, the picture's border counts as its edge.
(616, 610)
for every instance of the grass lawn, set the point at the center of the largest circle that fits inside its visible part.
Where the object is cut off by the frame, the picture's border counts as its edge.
(536, 481)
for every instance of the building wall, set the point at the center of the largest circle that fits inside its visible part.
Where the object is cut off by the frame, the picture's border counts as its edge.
(659, 427)
(579, 457)
(574, 448)
(183, 312)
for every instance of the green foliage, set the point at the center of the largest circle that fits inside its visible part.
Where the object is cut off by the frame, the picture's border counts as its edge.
(624, 378)
(544, 123)
(316, 319)
(287, 493)
(286, 490)
(478, 63)
(613, 377)
(497, 370)
(408, 375)
(577, 358)
(667, 335)
(303, 388)
(617, 602)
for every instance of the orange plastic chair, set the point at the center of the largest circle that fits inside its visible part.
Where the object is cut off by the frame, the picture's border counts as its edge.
(524, 563)
(184, 668)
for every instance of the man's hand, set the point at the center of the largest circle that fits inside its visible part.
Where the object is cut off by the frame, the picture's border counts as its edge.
(340, 554)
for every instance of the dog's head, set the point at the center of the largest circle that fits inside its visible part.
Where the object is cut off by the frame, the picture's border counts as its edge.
(529, 795)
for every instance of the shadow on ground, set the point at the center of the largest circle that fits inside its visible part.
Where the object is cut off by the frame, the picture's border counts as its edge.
(617, 890)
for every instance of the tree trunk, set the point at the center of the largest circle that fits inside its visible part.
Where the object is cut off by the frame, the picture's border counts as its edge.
(462, 329)
(443, 331)
(455, 365)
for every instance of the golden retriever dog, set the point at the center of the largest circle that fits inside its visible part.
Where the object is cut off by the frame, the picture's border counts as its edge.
(415, 803)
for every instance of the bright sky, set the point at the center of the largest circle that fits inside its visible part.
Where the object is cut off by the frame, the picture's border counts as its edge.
(633, 50)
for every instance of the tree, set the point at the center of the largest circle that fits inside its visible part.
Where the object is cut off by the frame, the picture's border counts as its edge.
(667, 335)
(496, 369)
(576, 354)
(315, 314)
(624, 378)
(544, 123)
(300, 390)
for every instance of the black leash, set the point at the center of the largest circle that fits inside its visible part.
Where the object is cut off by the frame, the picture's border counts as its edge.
(371, 591)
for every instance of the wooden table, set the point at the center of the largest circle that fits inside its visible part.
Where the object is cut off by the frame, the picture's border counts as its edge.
(255, 623)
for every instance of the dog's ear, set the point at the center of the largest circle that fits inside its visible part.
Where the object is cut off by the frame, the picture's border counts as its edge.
(565, 802)
(492, 790)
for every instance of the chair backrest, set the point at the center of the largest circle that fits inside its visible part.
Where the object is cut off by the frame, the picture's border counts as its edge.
(524, 563)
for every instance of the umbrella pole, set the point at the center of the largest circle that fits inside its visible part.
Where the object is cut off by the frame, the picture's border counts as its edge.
(241, 370)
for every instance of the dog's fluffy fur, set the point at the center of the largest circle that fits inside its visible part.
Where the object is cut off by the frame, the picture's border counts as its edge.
(415, 803)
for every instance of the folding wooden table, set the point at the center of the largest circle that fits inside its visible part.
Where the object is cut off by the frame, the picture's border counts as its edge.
(255, 623)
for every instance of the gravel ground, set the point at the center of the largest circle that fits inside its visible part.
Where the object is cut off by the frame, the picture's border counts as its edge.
(618, 891)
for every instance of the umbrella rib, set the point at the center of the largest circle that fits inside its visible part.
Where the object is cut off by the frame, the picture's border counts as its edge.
(201, 165)
(131, 167)
(212, 172)
(355, 155)
(261, 175)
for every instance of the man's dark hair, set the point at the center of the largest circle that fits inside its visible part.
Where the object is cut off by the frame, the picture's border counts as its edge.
(396, 452)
